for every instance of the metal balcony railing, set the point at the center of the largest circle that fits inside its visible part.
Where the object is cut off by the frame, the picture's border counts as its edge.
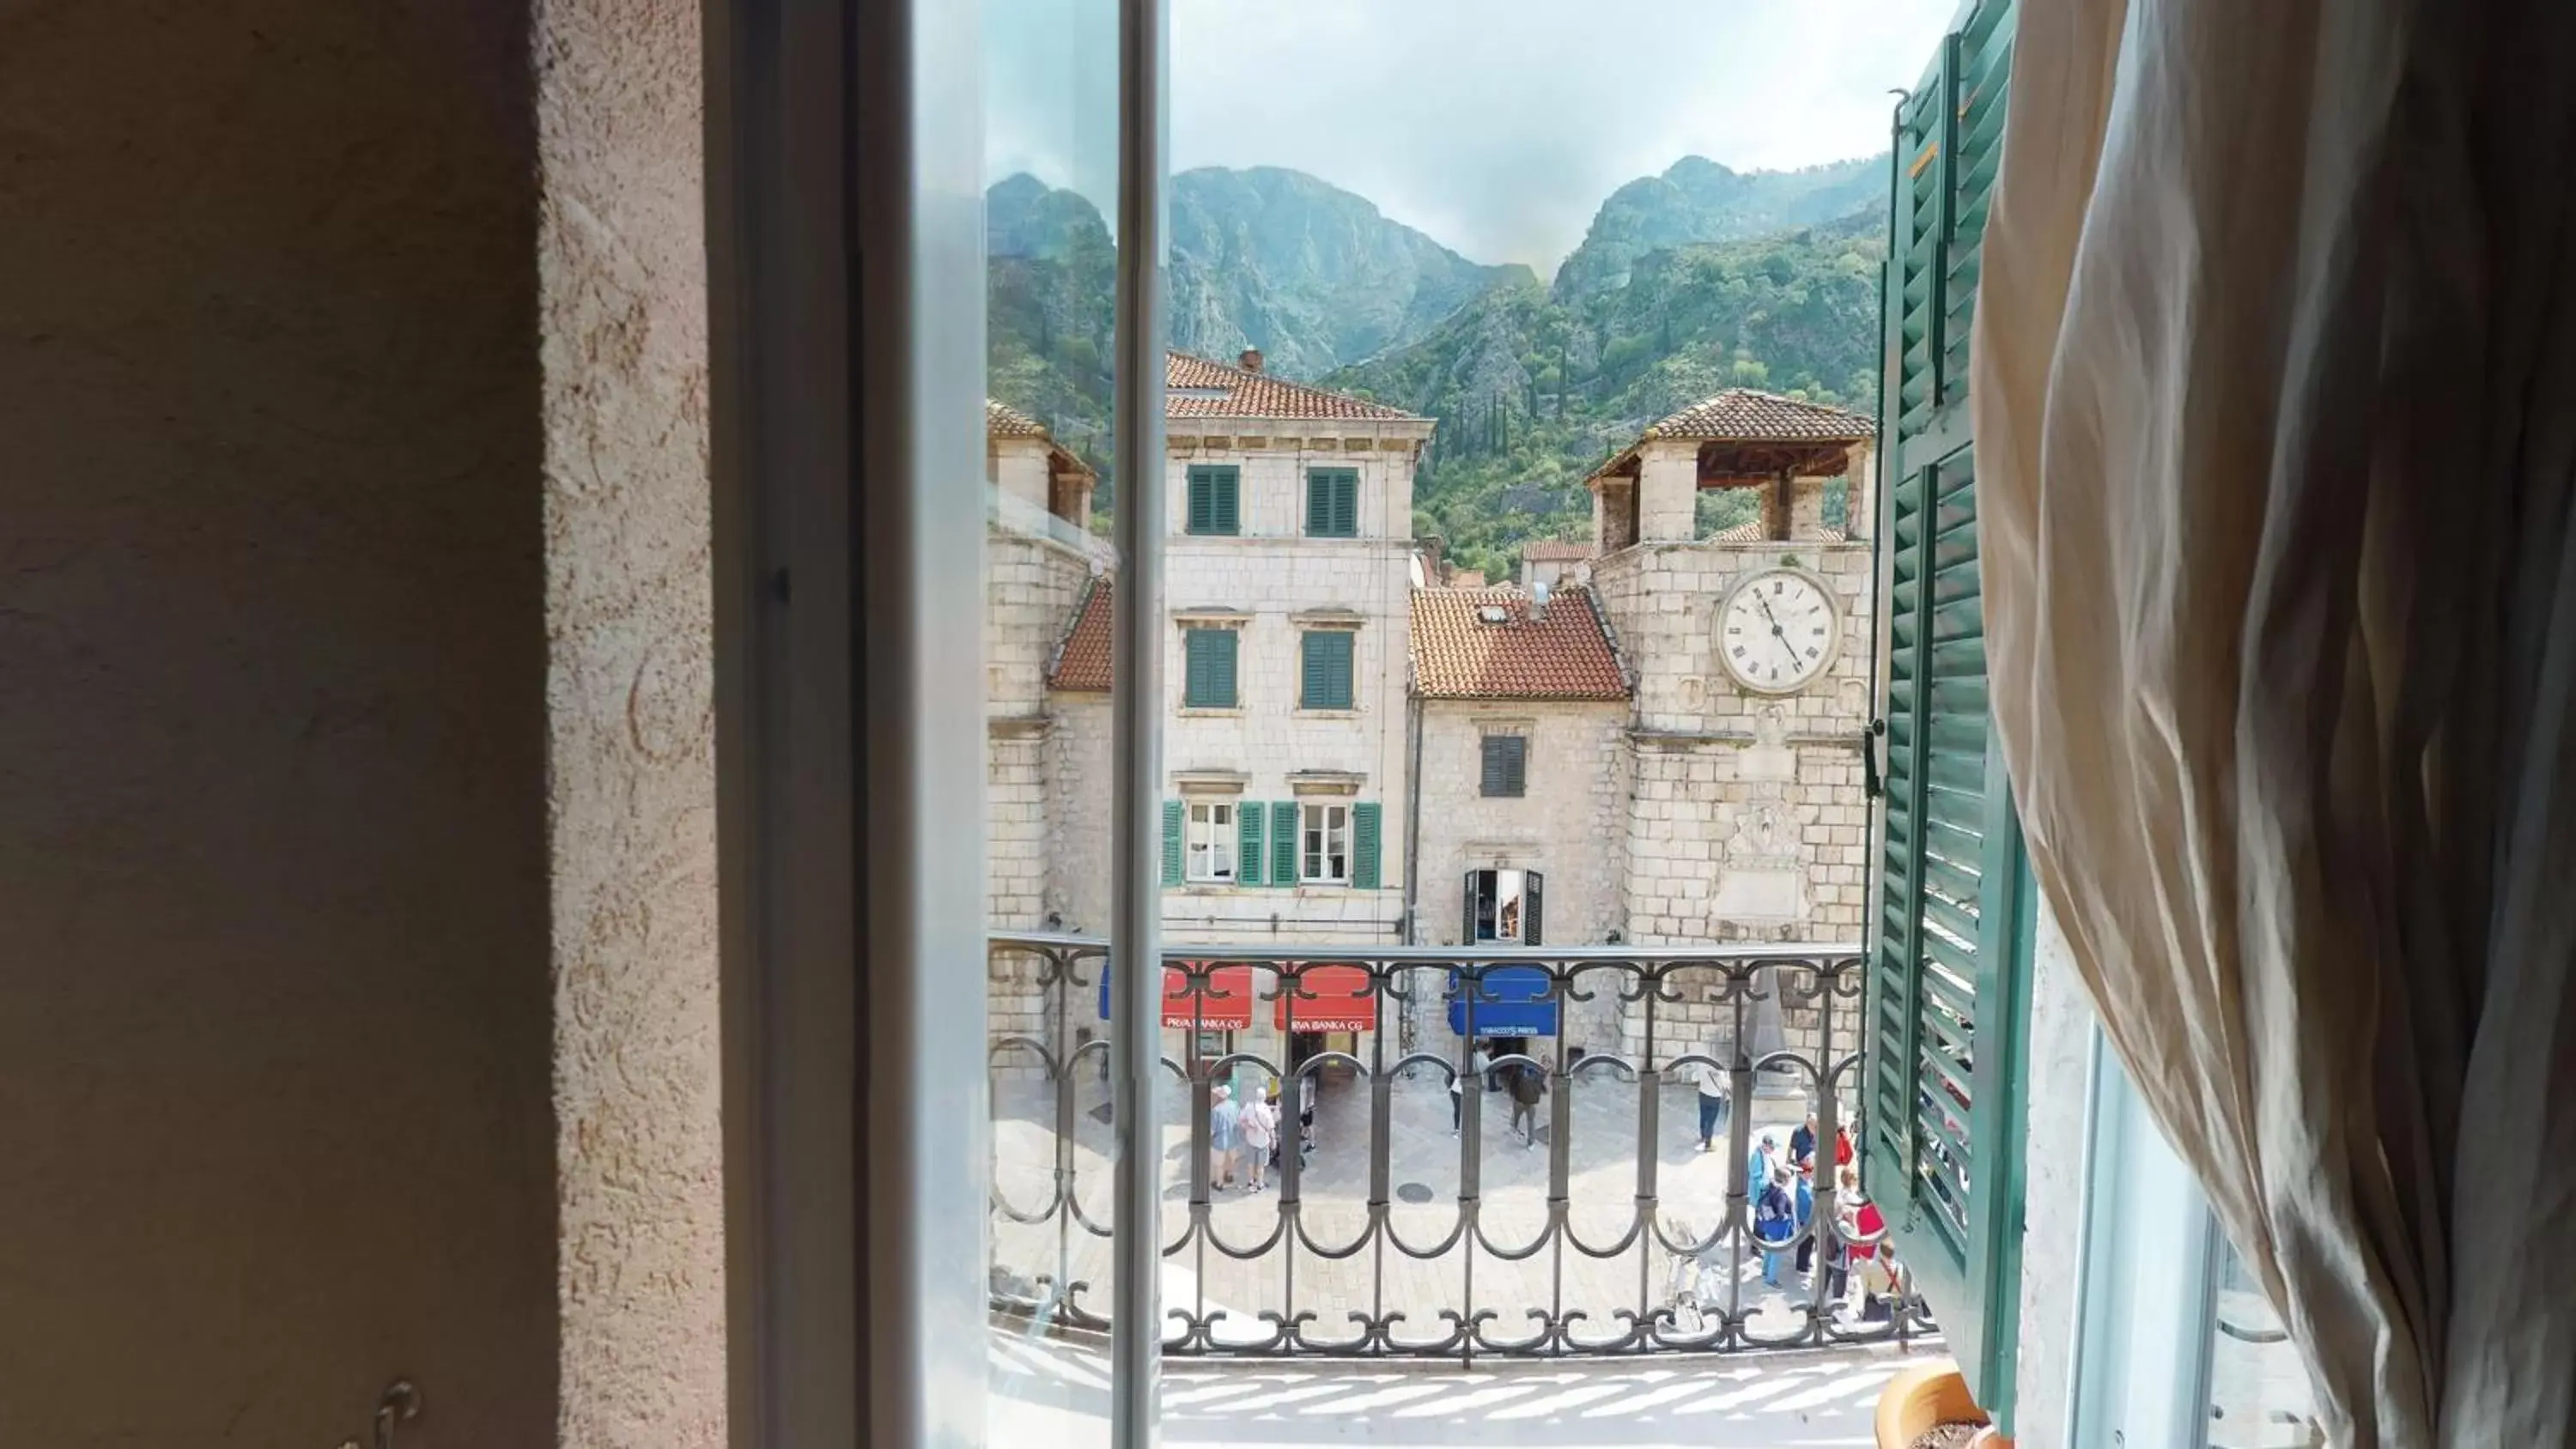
(1408, 1220)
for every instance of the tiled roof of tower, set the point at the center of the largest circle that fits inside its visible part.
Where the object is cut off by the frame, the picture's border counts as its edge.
(1194, 387)
(1082, 660)
(1555, 650)
(1750, 531)
(1556, 550)
(1741, 414)
(1001, 420)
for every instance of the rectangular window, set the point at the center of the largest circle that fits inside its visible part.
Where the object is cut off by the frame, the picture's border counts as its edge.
(1503, 907)
(1207, 668)
(1212, 842)
(1333, 502)
(1506, 767)
(1327, 853)
(1324, 669)
(1213, 507)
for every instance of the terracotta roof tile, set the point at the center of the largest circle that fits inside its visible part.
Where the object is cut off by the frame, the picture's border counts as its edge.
(1556, 550)
(1741, 414)
(1194, 387)
(1001, 420)
(1558, 650)
(1082, 660)
(1750, 531)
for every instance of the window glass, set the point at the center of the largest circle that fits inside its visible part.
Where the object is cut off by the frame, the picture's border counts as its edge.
(1328, 844)
(1212, 841)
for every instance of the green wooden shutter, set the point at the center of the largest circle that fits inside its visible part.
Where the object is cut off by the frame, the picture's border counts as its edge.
(1228, 518)
(1504, 770)
(1364, 849)
(1949, 965)
(1333, 502)
(1324, 669)
(1207, 668)
(1283, 843)
(1212, 500)
(1247, 843)
(1171, 842)
(1202, 502)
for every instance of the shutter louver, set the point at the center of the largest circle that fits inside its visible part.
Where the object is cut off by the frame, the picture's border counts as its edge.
(1283, 843)
(1946, 1010)
(1228, 520)
(1248, 861)
(1467, 931)
(1532, 931)
(1202, 502)
(1172, 842)
(1364, 845)
(1319, 503)
(1221, 667)
(1346, 504)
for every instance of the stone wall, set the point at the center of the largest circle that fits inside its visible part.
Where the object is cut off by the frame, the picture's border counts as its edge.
(1031, 588)
(1748, 818)
(1272, 583)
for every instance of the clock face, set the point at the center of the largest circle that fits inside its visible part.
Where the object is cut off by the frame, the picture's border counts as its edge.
(1777, 631)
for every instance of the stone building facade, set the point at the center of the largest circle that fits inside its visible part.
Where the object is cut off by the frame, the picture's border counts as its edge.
(1651, 794)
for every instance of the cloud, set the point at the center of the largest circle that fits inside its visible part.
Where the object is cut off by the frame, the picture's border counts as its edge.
(1497, 126)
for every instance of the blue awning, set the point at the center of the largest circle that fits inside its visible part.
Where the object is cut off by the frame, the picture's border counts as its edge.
(1504, 1001)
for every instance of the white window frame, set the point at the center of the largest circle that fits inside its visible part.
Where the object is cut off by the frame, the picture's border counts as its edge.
(1208, 847)
(1317, 833)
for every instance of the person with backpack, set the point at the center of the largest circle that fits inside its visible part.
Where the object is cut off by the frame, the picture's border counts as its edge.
(1259, 1124)
(1712, 1100)
(1775, 1222)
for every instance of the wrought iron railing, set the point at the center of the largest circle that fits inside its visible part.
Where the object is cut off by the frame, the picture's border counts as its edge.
(1411, 1226)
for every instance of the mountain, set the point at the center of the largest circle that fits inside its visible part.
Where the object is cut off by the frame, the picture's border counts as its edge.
(1697, 200)
(1314, 276)
(1534, 389)
(1687, 283)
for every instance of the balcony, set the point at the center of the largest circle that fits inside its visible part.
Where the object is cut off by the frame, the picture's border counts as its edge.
(1591, 1225)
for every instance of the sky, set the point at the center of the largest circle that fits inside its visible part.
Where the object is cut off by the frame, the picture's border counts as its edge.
(1496, 126)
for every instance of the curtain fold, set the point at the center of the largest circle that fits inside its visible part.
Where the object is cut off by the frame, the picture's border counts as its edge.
(2274, 376)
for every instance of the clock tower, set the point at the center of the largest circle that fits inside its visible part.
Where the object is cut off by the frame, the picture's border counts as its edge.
(1752, 651)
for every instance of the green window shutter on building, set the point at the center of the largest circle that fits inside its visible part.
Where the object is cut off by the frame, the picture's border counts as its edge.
(1171, 842)
(1283, 843)
(1949, 960)
(1364, 848)
(1324, 669)
(1207, 668)
(1213, 501)
(1333, 502)
(1247, 843)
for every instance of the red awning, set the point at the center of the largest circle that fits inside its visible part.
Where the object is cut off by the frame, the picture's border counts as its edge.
(1337, 998)
(1220, 1000)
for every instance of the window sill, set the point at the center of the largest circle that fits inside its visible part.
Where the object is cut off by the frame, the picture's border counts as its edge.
(1205, 711)
(1353, 713)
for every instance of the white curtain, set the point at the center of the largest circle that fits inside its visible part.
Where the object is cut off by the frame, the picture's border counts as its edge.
(2275, 393)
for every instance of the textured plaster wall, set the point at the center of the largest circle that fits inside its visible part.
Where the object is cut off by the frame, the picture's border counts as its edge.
(2061, 1032)
(621, 266)
(274, 1040)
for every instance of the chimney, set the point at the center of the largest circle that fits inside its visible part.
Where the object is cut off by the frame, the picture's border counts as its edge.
(1251, 359)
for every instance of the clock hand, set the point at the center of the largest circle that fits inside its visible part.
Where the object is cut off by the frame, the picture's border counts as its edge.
(1776, 631)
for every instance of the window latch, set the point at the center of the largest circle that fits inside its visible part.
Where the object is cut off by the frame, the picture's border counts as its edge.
(1872, 783)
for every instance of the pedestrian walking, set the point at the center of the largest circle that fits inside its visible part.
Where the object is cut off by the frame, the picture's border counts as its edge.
(1712, 1100)
(1225, 1134)
(1259, 1125)
(1528, 1085)
(1775, 1219)
(1757, 1168)
(1305, 1117)
(1480, 1065)
(1457, 1101)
